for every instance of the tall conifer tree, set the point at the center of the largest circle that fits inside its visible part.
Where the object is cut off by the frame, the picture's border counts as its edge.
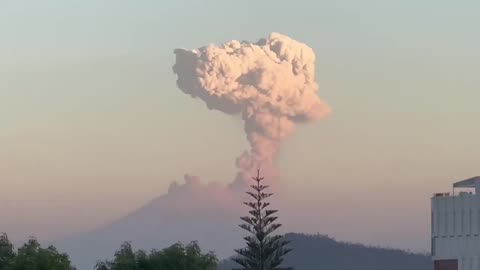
(263, 251)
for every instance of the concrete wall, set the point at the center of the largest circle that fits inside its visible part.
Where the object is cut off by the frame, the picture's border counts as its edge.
(456, 230)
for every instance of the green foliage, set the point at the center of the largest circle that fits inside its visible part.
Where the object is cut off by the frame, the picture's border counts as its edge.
(7, 254)
(175, 257)
(31, 256)
(263, 251)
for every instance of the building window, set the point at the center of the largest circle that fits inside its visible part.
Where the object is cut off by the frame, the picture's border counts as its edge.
(454, 223)
(446, 265)
(433, 246)
(446, 222)
(432, 224)
(478, 222)
(470, 221)
(439, 224)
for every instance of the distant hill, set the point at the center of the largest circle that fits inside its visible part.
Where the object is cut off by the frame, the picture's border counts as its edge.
(318, 252)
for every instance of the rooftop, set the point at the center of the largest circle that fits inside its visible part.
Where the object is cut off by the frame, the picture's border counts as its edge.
(468, 183)
(473, 182)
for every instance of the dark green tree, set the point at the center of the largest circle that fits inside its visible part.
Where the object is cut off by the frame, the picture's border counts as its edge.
(125, 259)
(263, 251)
(7, 253)
(175, 257)
(31, 256)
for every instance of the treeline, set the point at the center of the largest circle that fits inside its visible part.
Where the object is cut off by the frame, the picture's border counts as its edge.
(311, 252)
(175, 257)
(32, 256)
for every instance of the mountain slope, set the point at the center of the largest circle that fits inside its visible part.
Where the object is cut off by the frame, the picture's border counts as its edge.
(180, 216)
(317, 252)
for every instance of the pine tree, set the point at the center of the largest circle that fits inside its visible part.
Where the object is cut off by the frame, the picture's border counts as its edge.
(263, 251)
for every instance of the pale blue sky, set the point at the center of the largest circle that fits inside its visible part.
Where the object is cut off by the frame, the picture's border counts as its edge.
(92, 124)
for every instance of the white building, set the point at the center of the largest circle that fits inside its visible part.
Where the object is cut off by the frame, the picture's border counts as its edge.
(456, 227)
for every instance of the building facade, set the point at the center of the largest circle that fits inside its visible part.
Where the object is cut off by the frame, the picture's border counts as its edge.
(455, 231)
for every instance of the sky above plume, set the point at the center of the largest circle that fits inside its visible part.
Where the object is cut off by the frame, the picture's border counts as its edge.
(93, 125)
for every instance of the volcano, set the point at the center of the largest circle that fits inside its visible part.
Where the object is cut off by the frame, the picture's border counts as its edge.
(191, 212)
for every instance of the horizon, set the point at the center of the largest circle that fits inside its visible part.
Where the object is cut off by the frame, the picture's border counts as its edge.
(94, 127)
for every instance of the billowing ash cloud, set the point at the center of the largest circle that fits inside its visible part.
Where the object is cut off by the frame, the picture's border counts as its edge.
(271, 83)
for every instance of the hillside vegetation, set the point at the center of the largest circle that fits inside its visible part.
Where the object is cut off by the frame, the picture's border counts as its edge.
(316, 252)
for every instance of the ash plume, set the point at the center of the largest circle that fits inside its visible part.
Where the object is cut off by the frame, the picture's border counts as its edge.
(270, 83)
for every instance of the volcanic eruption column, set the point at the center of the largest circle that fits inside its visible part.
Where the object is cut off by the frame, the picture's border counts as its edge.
(271, 83)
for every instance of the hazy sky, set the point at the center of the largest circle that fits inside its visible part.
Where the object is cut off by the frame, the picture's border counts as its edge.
(92, 124)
